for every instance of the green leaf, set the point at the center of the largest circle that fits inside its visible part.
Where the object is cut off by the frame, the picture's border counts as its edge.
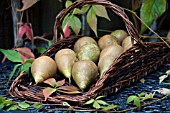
(26, 67)
(41, 49)
(92, 20)
(23, 105)
(75, 24)
(13, 71)
(37, 105)
(102, 102)
(131, 98)
(150, 11)
(68, 3)
(100, 11)
(77, 11)
(60, 83)
(109, 107)
(85, 8)
(96, 105)
(14, 107)
(99, 97)
(50, 43)
(29, 61)
(137, 102)
(66, 20)
(89, 102)
(148, 96)
(12, 55)
(141, 94)
(2, 105)
(168, 72)
(51, 81)
(48, 91)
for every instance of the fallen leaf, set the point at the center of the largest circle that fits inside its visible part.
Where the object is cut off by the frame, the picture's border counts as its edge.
(60, 83)
(51, 82)
(162, 78)
(148, 96)
(48, 91)
(142, 80)
(163, 91)
(68, 88)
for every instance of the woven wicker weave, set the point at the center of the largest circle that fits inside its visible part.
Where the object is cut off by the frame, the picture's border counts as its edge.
(137, 62)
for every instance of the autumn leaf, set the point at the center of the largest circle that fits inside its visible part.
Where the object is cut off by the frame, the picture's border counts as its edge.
(60, 83)
(27, 4)
(51, 82)
(100, 11)
(142, 80)
(68, 89)
(66, 31)
(25, 53)
(163, 91)
(92, 20)
(48, 91)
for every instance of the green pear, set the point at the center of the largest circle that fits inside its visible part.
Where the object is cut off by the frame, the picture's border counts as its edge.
(119, 34)
(84, 72)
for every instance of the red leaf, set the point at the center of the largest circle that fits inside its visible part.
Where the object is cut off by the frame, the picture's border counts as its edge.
(69, 88)
(48, 91)
(60, 83)
(51, 82)
(66, 31)
(28, 32)
(22, 31)
(25, 53)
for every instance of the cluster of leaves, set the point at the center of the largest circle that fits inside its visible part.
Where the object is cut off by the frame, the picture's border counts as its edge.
(58, 86)
(97, 103)
(92, 12)
(137, 99)
(8, 105)
(149, 11)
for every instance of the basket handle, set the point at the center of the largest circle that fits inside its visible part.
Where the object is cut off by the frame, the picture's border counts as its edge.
(115, 8)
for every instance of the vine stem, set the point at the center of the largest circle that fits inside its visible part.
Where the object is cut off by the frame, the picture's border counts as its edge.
(147, 26)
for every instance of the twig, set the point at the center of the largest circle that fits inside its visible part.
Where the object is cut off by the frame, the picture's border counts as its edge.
(147, 26)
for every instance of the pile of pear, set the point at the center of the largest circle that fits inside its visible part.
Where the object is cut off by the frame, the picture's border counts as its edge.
(86, 62)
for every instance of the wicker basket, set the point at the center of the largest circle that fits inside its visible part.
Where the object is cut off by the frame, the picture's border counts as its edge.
(137, 62)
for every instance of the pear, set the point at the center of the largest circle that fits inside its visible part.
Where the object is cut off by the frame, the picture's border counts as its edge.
(127, 43)
(65, 51)
(84, 72)
(65, 63)
(89, 52)
(113, 50)
(107, 40)
(43, 68)
(104, 63)
(83, 41)
(119, 34)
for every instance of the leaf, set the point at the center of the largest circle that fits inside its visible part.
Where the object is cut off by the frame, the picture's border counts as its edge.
(85, 8)
(23, 105)
(89, 102)
(100, 11)
(96, 105)
(12, 55)
(168, 72)
(141, 94)
(50, 43)
(150, 11)
(68, 92)
(48, 91)
(26, 67)
(99, 97)
(28, 32)
(142, 80)
(137, 102)
(68, 3)
(75, 24)
(66, 31)
(2, 105)
(92, 20)
(102, 102)
(109, 107)
(14, 107)
(66, 20)
(162, 78)
(13, 71)
(27, 4)
(77, 11)
(148, 96)
(66, 104)
(22, 31)
(131, 98)
(51, 81)
(163, 91)
(25, 53)
(68, 88)
(60, 83)
(37, 105)
(29, 61)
